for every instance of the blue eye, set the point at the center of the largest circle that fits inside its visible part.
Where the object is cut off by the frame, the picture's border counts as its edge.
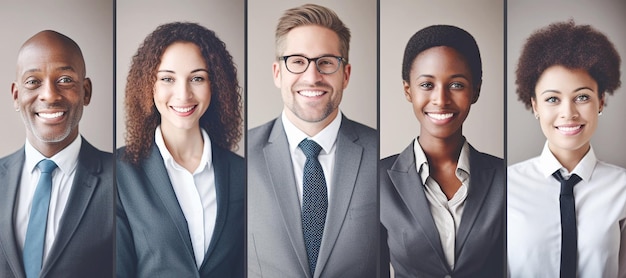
(167, 79)
(582, 98)
(552, 100)
(426, 85)
(457, 85)
(197, 79)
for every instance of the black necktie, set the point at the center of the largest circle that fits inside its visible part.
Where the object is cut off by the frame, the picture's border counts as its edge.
(314, 201)
(569, 233)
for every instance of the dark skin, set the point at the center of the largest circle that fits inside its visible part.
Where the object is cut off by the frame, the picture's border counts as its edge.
(50, 90)
(441, 91)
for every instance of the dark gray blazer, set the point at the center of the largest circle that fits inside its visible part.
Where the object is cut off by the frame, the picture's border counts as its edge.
(152, 234)
(83, 246)
(349, 246)
(413, 244)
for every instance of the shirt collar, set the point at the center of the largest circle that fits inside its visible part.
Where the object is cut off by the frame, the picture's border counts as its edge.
(205, 160)
(549, 164)
(66, 159)
(325, 138)
(421, 162)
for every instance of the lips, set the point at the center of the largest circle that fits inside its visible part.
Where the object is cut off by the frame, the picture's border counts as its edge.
(440, 116)
(185, 110)
(51, 115)
(570, 129)
(311, 93)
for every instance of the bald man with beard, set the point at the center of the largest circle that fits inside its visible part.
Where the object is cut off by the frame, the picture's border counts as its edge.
(73, 235)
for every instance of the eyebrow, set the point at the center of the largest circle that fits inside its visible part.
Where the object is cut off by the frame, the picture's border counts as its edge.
(458, 75)
(63, 68)
(193, 71)
(558, 92)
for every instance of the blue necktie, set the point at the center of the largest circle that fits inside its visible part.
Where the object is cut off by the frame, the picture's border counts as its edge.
(569, 233)
(36, 231)
(314, 201)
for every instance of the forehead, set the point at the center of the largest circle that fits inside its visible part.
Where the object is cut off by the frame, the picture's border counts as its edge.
(311, 41)
(47, 53)
(565, 80)
(440, 59)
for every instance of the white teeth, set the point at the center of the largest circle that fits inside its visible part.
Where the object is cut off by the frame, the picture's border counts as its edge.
(569, 128)
(51, 115)
(440, 116)
(311, 93)
(182, 109)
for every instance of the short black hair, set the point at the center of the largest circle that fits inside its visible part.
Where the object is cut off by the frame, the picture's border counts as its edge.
(444, 35)
(572, 46)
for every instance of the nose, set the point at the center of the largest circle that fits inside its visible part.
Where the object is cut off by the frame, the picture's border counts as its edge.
(311, 74)
(182, 90)
(49, 92)
(569, 110)
(439, 96)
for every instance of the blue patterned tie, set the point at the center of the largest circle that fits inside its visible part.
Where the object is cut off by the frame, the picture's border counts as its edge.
(569, 234)
(36, 231)
(314, 201)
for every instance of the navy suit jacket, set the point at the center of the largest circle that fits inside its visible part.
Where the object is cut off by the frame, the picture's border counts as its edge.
(152, 234)
(83, 246)
(412, 240)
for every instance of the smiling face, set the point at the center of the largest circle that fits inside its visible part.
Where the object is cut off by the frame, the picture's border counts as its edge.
(182, 92)
(50, 91)
(441, 91)
(567, 104)
(311, 98)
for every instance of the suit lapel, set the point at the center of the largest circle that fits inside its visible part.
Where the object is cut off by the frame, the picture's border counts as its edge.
(10, 172)
(347, 162)
(278, 161)
(221, 168)
(403, 174)
(480, 181)
(86, 179)
(154, 168)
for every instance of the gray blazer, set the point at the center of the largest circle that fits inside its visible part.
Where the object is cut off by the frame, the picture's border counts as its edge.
(152, 234)
(349, 246)
(83, 246)
(413, 244)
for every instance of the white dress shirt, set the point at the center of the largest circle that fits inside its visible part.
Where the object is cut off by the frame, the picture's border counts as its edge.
(326, 138)
(195, 193)
(446, 213)
(534, 221)
(62, 180)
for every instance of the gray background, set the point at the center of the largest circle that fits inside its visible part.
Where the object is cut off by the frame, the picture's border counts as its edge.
(399, 20)
(90, 24)
(524, 136)
(136, 19)
(359, 98)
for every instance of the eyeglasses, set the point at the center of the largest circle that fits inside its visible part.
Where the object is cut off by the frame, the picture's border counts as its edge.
(297, 64)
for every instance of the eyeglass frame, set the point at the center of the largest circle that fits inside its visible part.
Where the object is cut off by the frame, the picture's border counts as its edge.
(340, 59)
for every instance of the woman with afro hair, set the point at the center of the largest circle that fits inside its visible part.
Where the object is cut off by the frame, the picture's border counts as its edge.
(566, 210)
(180, 188)
(441, 200)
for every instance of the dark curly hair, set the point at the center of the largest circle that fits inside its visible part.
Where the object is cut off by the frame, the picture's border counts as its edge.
(223, 118)
(572, 46)
(443, 35)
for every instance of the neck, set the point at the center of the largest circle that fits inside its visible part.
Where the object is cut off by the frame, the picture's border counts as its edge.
(569, 158)
(442, 149)
(183, 144)
(310, 128)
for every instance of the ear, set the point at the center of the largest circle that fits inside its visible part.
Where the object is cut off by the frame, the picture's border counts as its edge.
(87, 89)
(407, 91)
(533, 103)
(15, 93)
(601, 103)
(276, 74)
(476, 92)
(347, 69)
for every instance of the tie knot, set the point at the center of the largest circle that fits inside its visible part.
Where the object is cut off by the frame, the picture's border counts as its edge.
(310, 148)
(46, 166)
(567, 186)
